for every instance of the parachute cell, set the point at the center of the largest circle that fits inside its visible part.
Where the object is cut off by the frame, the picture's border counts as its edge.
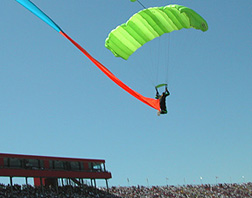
(150, 23)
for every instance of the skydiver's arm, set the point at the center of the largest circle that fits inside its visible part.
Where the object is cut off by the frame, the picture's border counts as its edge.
(157, 94)
(166, 90)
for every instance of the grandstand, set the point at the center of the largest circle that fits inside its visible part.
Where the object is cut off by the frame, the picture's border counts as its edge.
(53, 171)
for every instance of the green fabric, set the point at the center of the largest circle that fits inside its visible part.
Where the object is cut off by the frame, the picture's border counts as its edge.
(150, 23)
(161, 85)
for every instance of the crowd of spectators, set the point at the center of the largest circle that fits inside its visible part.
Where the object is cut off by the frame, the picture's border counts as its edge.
(67, 191)
(187, 191)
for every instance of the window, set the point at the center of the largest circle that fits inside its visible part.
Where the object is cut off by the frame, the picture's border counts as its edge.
(13, 162)
(23, 163)
(81, 166)
(95, 166)
(33, 164)
(41, 164)
(75, 166)
(66, 165)
(6, 162)
(59, 165)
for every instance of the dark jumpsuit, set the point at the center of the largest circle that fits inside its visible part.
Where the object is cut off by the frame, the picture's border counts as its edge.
(162, 100)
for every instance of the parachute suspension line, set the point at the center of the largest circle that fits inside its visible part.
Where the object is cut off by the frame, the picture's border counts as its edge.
(148, 68)
(141, 4)
(145, 68)
(152, 63)
(162, 54)
(158, 58)
(167, 58)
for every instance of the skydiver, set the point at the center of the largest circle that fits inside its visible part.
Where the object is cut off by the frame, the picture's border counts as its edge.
(162, 100)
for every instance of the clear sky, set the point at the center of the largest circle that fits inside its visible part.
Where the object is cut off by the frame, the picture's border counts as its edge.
(55, 102)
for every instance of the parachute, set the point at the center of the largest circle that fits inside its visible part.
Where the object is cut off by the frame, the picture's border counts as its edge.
(150, 23)
(127, 38)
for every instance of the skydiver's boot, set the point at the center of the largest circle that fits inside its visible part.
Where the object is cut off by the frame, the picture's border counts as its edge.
(163, 112)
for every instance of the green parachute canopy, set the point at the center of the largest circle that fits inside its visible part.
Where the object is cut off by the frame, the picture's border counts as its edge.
(150, 23)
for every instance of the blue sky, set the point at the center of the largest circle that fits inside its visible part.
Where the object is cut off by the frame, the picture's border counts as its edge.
(55, 102)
